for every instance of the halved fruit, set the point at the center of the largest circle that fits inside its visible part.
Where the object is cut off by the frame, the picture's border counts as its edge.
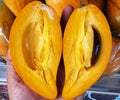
(16, 5)
(87, 46)
(36, 46)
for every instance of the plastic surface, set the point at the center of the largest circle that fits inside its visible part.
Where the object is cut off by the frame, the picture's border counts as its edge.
(114, 63)
(3, 80)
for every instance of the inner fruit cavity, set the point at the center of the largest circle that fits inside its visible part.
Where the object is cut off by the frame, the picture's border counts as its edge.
(37, 42)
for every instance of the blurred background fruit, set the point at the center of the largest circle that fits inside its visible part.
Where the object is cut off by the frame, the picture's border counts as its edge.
(113, 16)
(59, 5)
(6, 20)
(16, 5)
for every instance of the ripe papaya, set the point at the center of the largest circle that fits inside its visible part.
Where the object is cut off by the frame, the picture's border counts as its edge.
(36, 47)
(87, 30)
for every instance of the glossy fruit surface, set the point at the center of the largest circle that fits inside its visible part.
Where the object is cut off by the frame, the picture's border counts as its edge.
(85, 26)
(36, 46)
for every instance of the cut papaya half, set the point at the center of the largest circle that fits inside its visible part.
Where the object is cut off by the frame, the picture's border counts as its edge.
(87, 46)
(36, 47)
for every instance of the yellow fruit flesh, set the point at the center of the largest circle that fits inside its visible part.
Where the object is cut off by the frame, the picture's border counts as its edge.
(78, 33)
(38, 47)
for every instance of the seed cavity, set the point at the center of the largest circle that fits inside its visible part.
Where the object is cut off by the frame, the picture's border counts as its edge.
(37, 42)
(86, 47)
(96, 46)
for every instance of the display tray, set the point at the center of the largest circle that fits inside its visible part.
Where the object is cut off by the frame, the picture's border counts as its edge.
(97, 95)
(108, 84)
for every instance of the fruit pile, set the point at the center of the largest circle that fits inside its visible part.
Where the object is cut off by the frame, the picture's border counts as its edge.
(34, 33)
